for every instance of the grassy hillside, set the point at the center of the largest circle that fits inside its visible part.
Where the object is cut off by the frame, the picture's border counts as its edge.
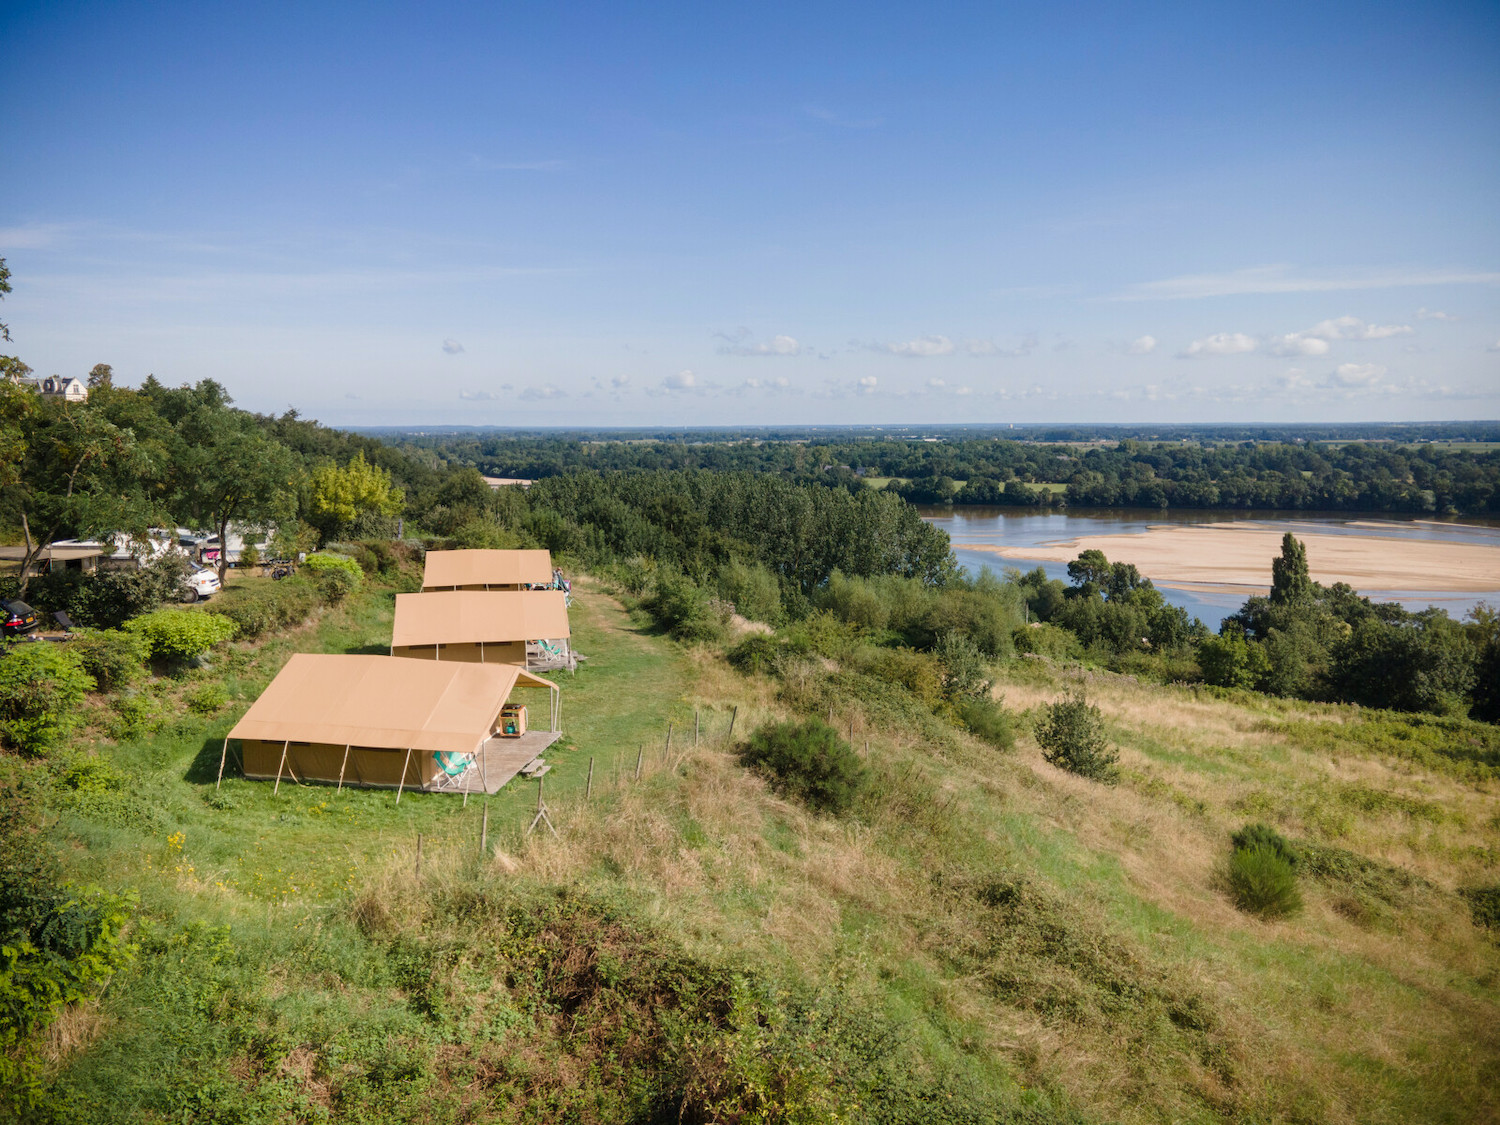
(985, 938)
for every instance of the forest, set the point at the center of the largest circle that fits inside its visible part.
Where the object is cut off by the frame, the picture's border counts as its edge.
(1286, 469)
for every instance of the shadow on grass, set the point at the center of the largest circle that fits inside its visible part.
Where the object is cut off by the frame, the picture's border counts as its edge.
(204, 768)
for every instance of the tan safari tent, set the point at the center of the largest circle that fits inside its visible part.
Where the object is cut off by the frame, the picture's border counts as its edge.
(486, 570)
(525, 628)
(375, 721)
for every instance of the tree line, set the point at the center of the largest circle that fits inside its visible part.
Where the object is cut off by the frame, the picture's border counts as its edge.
(1302, 475)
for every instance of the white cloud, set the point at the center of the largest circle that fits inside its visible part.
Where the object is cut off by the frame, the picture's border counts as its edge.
(1222, 343)
(1143, 345)
(937, 384)
(477, 396)
(1495, 347)
(781, 381)
(1352, 328)
(1298, 343)
(619, 381)
(1435, 314)
(922, 347)
(452, 346)
(866, 385)
(1358, 374)
(839, 120)
(682, 381)
(779, 345)
(1283, 279)
(964, 391)
(538, 394)
(988, 347)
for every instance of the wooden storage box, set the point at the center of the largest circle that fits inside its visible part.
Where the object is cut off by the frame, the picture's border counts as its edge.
(512, 720)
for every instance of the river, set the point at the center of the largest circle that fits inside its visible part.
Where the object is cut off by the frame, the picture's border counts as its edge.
(1016, 530)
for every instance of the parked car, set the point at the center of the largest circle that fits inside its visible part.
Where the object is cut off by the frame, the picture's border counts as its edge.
(201, 583)
(17, 618)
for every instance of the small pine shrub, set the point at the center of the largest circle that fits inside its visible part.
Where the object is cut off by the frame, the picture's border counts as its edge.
(116, 659)
(1264, 836)
(988, 722)
(41, 686)
(181, 634)
(1071, 735)
(1262, 882)
(808, 762)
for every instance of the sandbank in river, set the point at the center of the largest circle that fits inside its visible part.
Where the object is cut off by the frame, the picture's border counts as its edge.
(1237, 556)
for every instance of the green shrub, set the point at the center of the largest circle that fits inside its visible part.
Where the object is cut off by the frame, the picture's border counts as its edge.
(917, 672)
(335, 576)
(964, 667)
(181, 634)
(322, 564)
(757, 653)
(116, 659)
(257, 610)
(988, 722)
(685, 610)
(335, 585)
(1484, 904)
(207, 698)
(137, 713)
(1042, 639)
(1262, 882)
(1071, 735)
(1264, 836)
(41, 686)
(807, 761)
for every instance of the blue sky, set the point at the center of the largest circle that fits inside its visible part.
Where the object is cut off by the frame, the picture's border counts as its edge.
(631, 214)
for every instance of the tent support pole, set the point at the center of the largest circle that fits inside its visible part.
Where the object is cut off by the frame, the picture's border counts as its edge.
(222, 755)
(281, 763)
(342, 765)
(484, 777)
(400, 785)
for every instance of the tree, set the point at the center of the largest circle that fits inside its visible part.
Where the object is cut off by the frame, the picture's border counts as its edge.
(226, 469)
(1071, 735)
(1090, 569)
(1290, 583)
(339, 496)
(66, 469)
(4, 289)
(101, 375)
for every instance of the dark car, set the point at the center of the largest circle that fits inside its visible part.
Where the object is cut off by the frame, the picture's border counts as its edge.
(17, 618)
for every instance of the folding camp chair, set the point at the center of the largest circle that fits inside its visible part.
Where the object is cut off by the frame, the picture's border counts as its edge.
(453, 770)
(64, 622)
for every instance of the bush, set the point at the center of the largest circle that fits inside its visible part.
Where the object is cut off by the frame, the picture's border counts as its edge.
(756, 653)
(256, 610)
(137, 713)
(115, 659)
(1042, 639)
(335, 585)
(1071, 735)
(181, 634)
(41, 686)
(335, 576)
(964, 667)
(1264, 836)
(1262, 882)
(1484, 904)
(917, 672)
(988, 722)
(807, 761)
(686, 611)
(207, 698)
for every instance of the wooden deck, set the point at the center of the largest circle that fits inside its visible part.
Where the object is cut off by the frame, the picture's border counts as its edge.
(502, 759)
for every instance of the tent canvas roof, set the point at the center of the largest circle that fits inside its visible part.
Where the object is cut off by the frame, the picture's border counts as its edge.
(451, 617)
(493, 568)
(382, 702)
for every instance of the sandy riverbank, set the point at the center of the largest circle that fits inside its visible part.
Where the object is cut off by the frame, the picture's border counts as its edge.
(1220, 555)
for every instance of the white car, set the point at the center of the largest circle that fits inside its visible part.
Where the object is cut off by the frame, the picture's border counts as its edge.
(201, 583)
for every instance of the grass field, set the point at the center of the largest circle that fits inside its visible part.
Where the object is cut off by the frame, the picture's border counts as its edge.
(1056, 946)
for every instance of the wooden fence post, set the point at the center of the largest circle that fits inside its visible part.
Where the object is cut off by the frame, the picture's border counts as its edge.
(695, 728)
(588, 790)
(484, 829)
(733, 715)
(638, 755)
(419, 855)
